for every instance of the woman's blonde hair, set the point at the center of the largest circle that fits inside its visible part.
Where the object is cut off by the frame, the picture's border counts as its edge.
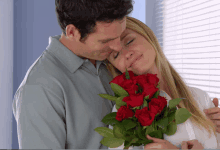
(174, 81)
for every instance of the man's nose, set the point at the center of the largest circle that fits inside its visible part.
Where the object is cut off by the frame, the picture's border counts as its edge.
(116, 45)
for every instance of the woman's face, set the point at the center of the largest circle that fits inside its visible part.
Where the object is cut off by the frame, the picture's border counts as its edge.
(137, 54)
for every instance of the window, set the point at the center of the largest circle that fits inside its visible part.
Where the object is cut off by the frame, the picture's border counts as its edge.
(189, 33)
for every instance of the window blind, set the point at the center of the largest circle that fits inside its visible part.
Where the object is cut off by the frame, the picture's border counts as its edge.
(189, 33)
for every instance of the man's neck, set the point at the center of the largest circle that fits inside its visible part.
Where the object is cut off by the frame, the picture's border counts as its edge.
(62, 40)
(93, 62)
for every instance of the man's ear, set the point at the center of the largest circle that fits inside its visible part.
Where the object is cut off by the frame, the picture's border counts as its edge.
(72, 33)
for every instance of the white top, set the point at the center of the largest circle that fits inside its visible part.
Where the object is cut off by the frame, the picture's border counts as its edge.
(186, 131)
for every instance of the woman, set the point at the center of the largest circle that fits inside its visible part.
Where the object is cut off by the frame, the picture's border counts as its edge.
(142, 54)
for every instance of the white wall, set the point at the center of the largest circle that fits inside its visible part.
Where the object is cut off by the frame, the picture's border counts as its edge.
(139, 10)
(144, 10)
(6, 72)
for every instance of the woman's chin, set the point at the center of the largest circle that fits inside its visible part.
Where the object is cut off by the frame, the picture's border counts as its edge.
(138, 72)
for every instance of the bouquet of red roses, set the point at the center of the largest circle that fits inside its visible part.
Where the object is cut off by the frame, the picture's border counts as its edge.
(141, 111)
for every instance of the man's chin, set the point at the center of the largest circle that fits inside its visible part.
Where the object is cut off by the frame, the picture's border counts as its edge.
(101, 58)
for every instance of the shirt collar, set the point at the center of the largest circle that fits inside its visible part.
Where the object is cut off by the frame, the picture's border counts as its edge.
(66, 56)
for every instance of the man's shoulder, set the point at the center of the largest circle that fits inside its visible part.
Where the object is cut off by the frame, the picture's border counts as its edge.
(42, 79)
(46, 71)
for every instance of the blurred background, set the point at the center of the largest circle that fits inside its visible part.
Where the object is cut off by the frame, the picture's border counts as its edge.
(188, 32)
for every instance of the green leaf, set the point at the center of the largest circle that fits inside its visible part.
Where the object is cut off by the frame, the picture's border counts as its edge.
(147, 142)
(127, 74)
(149, 129)
(171, 128)
(171, 117)
(109, 119)
(182, 115)
(172, 110)
(158, 116)
(156, 94)
(129, 137)
(164, 130)
(119, 101)
(146, 98)
(128, 124)
(174, 102)
(145, 103)
(162, 123)
(116, 95)
(137, 144)
(112, 142)
(104, 131)
(158, 86)
(141, 133)
(117, 107)
(140, 89)
(166, 111)
(129, 132)
(134, 108)
(109, 97)
(118, 132)
(134, 140)
(157, 134)
(119, 90)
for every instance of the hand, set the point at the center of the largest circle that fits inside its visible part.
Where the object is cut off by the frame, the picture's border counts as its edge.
(214, 114)
(192, 144)
(159, 144)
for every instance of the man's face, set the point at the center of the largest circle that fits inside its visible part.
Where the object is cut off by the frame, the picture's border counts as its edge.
(105, 40)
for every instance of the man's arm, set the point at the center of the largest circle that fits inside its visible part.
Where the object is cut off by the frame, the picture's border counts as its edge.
(40, 116)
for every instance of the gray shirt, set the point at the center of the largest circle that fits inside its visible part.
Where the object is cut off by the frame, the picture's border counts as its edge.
(57, 105)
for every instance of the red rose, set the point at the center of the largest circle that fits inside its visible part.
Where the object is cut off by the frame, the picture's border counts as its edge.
(157, 104)
(134, 100)
(152, 79)
(149, 89)
(124, 113)
(144, 116)
(141, 79)
(154, 108)
(118, 80)
(121, 78)
(130, 86)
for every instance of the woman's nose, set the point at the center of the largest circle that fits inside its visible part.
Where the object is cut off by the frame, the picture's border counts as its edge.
(128, 54)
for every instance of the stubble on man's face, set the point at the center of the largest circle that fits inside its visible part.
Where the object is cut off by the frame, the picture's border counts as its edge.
(93, 48)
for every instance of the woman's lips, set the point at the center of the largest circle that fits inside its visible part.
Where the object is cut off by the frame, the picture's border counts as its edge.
(136, 60)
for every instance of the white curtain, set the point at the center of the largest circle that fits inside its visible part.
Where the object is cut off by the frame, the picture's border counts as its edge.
(6, 72)
(191, 41)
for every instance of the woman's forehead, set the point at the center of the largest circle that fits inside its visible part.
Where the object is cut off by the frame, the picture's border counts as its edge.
(126, 31)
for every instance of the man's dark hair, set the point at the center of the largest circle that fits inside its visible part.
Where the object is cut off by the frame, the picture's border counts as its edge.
(84, 14)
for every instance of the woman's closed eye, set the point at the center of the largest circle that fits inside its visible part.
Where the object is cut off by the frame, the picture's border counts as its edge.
(126, 45)
(130, 42)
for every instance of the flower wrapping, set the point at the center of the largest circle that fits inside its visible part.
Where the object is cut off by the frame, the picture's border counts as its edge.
(141, 111)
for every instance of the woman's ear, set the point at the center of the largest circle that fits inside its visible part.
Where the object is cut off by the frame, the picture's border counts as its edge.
(72, 33)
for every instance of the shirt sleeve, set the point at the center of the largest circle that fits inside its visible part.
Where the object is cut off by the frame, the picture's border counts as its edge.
(211, 105)
(40, 116)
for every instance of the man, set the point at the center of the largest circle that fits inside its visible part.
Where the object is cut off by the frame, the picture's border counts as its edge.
(57, 105)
